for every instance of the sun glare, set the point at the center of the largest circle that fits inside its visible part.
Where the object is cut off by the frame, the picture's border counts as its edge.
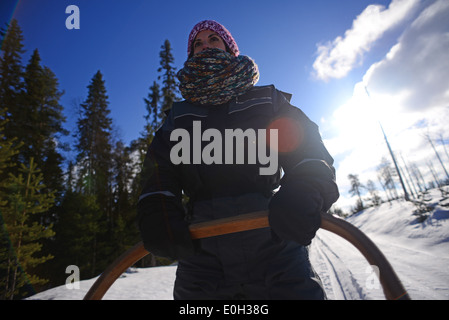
(359, 119)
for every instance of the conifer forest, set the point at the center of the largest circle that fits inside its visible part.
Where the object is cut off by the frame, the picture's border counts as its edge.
(57, 212)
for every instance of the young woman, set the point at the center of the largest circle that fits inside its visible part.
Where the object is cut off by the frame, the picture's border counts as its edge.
(225, 147)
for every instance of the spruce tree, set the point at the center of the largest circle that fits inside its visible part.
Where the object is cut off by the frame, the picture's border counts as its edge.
(8, 150)
(94, 140)
(32, 100)
(94, 170)
(356, 189)
(77, 233)
(153, 119)
(124, 213)
(158, 102)
(25, 198)
(11, 76)
(169, 81)
(152, 104)
(43, 120)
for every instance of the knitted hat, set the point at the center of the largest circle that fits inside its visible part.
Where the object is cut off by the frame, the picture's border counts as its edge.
(219, 29)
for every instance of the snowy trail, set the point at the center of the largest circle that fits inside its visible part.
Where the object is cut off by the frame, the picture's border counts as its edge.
(425, 274)
(342, 269)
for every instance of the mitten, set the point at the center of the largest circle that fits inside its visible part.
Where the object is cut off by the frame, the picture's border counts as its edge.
(163, 228)
(295, 212)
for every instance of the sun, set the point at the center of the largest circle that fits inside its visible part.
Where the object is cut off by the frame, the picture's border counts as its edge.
(357, 119)
(361, 117)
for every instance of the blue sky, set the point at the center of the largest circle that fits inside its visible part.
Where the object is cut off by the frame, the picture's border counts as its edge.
(321, 51)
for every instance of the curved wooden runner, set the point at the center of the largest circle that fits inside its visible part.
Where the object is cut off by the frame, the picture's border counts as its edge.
(392, 286)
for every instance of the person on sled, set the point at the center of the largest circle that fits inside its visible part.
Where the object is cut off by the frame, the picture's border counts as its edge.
(233, 148)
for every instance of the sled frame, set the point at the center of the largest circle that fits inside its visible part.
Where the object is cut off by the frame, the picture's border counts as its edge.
(391, 284)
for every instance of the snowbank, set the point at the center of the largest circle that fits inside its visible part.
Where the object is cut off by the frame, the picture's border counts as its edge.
(418, 252)
(135, 284)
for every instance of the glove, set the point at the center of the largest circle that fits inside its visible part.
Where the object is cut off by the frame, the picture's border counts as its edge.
(295, 212)
(163, 229)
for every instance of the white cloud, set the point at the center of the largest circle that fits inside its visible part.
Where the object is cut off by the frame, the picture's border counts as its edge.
(335, 59)
(408, 94)
(419, 63)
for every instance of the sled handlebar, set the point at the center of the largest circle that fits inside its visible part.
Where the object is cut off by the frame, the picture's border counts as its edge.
(392, 286)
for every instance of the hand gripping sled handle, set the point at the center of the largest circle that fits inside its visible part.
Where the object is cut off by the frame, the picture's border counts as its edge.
(392, 286)
(213, 228)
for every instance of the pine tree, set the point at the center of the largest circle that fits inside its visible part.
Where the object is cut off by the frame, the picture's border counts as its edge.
(11, 76)
(153, 115)
(32, 98)
(169, 82)
(158, 102)
(42, 125)
(8, 150)
(375, 198)
(35, 121)
(94, 141)
(77, 232)
(25, 198)
(94, 170)
(356, 187)
(124, 213)
(153, 119)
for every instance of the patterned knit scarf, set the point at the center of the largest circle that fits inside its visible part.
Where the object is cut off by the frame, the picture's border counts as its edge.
(214, 76)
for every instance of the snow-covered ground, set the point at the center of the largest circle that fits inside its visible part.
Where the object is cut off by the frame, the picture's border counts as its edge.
(419, 253)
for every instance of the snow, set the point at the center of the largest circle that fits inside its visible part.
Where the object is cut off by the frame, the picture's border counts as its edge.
(418, 252)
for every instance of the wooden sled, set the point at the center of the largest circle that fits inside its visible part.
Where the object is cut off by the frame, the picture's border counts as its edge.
(391, 285)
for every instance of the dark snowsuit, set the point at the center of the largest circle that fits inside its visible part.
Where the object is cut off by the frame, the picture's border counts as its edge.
(259, 264)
